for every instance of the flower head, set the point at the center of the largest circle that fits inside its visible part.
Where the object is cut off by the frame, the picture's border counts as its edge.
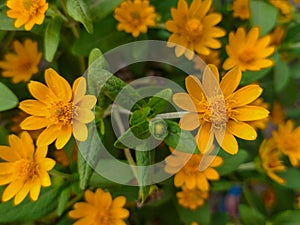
(241, 9)
(59, 109)
(25, 168)
(220, 110)
(191, 199)
(287, 139)
(100, 209)
(194, 29)
(285, 9)
(22, 64)
(248, 51)
(188, 173)
(27, 12)
(270, 160)
(134, 16)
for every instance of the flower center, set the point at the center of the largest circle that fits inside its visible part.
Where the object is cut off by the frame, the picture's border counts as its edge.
(217, 111)
(61, 112)
(247, 56)
(102, 218)
(194, 28)
(31, 6)
(26, 169)
(192, 166)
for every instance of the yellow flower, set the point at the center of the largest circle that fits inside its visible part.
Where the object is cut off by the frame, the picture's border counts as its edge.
(134, 16)
(188, 173)
(191, 199)
(223, 113)
(270, 160)
(248, 51)
(260, 124)
(25, 170)
(100, 209)
(212, 58)
(277, 35)
(22, 64)
(193, 29)
(59, 109)
(241, 9)
(287, 139)
(277, 114)
(27, 12)
(286, 10)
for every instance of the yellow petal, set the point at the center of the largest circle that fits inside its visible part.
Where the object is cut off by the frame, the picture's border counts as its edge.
(84, 221)
(16, 143)
(64, 137)
(227, 142)
(47, 164)
(8, 154)
(35, 190)
(252, 36)
(211, 174)
(34, 123)
(179, 179)
(193, 86)
(44, 178)
(40, 153)
(80, 131)
(190, 182)
(48, 135)
(119, 202)
(33, 107)
(189, 121)
(7, 178)
(84, 115)
(39, 91)
(204, 138)
(184, 101)
(210, 80)
(202, 182)
(242, 130)
(246, 95)
(79, 89)
(88, 101)
(249, 113)
(218, 161)
(6, 168)
(28, 144)
(231, 81)
(12, 189)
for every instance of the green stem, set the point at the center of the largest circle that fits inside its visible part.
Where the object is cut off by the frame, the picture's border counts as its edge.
(160, 26)
(172, 115)
(247, 166)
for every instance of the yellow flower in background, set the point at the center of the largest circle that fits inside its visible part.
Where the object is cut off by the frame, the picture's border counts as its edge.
(100, 209)
(278, 35)
(241, 9)
(25, 169)
(188, 173)
(194, 29)
(287, 138)
(285, 8)
(220, 114)
(27, 12)
(191, 199)
(59, 109)
(248, 51)
(260, 124)
(135, 16)
(270, 160)
(212, 58)
(21, 65)
(277, 115)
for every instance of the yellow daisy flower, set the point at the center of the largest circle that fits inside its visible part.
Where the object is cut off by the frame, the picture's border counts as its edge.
(212, 58)
(135, 16)
(248, 51)
(194, 29)
(188, 173)
(241, 9)
(270, 160)
(191, 199)
(22, 64)
(25, 168)
(100, 209)
(27, 12)
(59, 109)
(287, 139)
(220, 115)
(283, 5)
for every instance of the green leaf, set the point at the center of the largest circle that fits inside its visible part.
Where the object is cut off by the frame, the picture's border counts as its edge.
(281, 75)
(30, 211)
(139, 116)
(160, 101)
(80, 12)
(3, 136)
(263, 15)
(8, 99)
(52, 37)
(103, 6)
(288, 217)
(250, 216)
(252, 76)
(6, 22)
(63, 200)
(179, 139)
(201, 215)
(97, 60)
(289, 176)
(231, 162)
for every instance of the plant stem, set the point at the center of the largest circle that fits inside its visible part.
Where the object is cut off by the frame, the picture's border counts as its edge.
(172, 115)
(247, 166)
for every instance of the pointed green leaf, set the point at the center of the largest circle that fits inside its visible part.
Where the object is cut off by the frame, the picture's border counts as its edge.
(52, 37)
(250, 216)
(281, 75)
(288, 217)
(63, 200)
(8, 99)
(160, 101)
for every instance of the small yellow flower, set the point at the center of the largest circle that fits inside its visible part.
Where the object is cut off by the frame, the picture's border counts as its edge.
(285, 8)
(100, 209)
(248, 51)
(135, 16)
(25, 170)
(212, 58)
(191, 199)
(287, 139)
(22, 64)
(221, 114)
(59, 109)
(277, 35)
(277, 115)
(194, 29)
(27, 12)
(270, 160)
(260, 124)
(188, 173)
(241, 9)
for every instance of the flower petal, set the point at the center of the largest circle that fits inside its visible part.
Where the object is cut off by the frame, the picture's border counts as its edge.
(33, 107)
(80, 131)
(231, 81)
(8, 154)
(64, 137)
(184, 101)
(204, 138)
(88, 101)
(227, 142)
(39, 91)
(83, 115)
(249, 113)
(246, 95)
(79, 89)
(210, 81)
(189, 121)
(193, 86)
(48, 135)
(34, 123)
(12, 189)
(242, 130)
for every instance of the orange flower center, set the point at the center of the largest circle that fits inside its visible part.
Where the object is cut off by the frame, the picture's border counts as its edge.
(192, 165)
(194, 28)
(26, 169)
(217, 111)
(247, 56)
(289, 143)
(31, 6)
(61, 112)
(102, 218)
(25, 66)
